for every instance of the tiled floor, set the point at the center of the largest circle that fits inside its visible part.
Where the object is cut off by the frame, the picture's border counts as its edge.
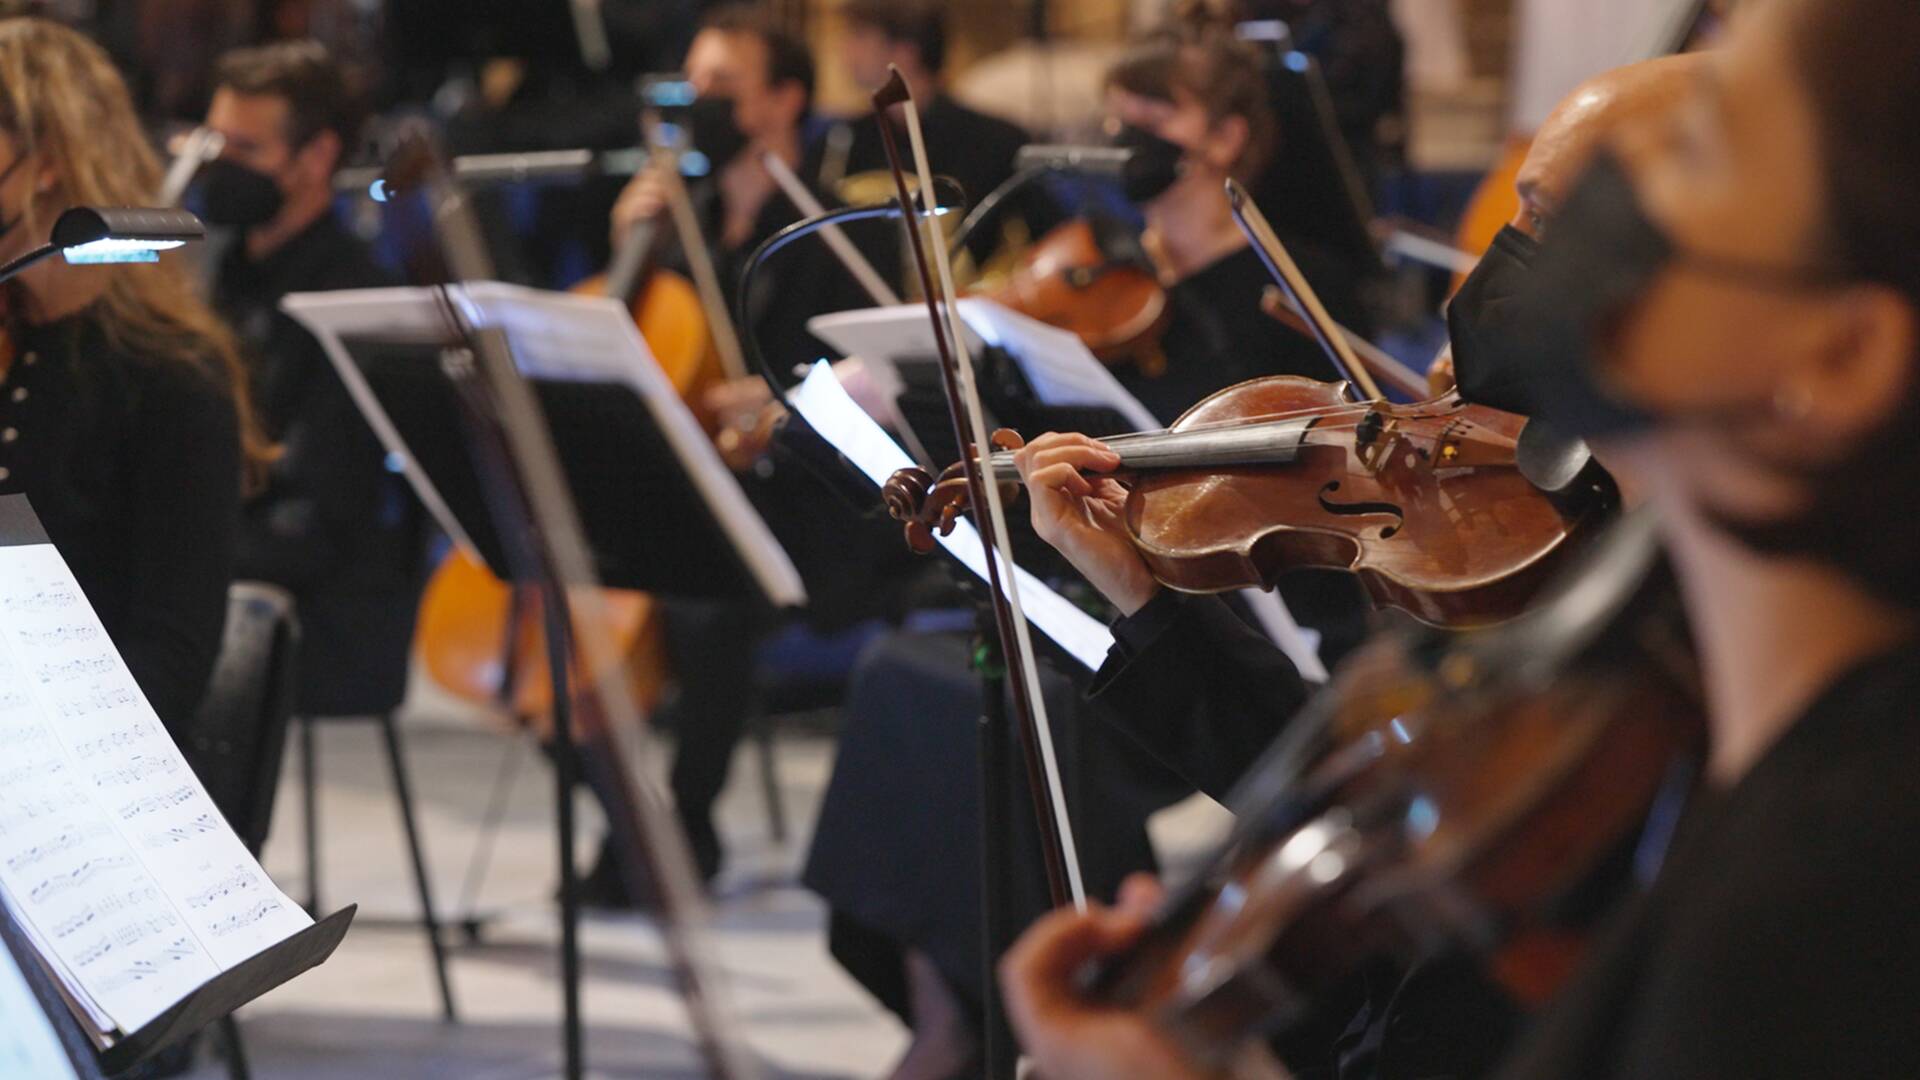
(372, 1010)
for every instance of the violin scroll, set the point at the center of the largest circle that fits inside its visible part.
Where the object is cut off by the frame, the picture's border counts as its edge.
(927, 507)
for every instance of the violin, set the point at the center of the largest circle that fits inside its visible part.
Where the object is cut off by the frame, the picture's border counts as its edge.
(1425, 503)
(1445, 792)
(1091, 277)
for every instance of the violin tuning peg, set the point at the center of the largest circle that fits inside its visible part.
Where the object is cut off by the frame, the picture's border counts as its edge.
(919, 537)
(1006, 439)
(949, 514)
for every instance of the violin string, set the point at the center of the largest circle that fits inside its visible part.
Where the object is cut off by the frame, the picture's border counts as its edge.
(1123, 441)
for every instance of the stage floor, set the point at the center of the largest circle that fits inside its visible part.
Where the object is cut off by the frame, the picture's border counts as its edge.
(372, 1011)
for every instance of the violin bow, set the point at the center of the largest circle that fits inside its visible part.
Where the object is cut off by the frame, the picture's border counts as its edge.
(1307, 302)
(967, 414)
(561, 548)
(876, 287)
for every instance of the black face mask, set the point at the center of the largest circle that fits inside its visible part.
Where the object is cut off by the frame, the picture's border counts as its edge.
(1527, 324)
(1601, 254)
(711, 130)
(1155, 165)
(228, 193)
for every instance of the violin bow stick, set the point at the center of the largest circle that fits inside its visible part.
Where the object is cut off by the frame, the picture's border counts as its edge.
(1287, 273)
(970, 434)
(706, 279)
(836, 238)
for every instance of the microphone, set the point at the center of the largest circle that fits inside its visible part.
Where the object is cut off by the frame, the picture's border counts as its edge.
(543, 166)
(1064, 157)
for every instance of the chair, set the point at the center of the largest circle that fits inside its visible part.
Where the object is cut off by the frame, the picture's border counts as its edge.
(238, 739)
(354, 662)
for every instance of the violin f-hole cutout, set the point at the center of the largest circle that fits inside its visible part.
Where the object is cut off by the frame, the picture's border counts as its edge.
(1362, 509)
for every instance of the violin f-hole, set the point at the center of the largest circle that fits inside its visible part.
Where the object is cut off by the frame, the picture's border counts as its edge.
(1362, 509)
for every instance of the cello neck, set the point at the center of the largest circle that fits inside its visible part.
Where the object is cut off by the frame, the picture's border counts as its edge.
(628, 271)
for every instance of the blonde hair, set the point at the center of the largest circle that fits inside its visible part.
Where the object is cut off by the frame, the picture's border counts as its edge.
(62, 100)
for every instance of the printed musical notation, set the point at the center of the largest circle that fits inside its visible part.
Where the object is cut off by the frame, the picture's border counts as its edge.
(98, 700)
(153, 804)
(55, 596)
(109, 846)
(136, 732)
(82, 667)
(63, 842)
(138, 769)
(201, 825)
(241, 920)
(78, 876)
(61, 635)
(241, 880)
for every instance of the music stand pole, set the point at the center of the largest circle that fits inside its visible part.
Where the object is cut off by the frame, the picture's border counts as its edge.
(510, 508)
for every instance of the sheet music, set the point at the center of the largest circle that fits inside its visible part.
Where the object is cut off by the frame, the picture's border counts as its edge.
(553, 336)
(28, 1044)
(1056, 363)
(825, 405)
(111, 852)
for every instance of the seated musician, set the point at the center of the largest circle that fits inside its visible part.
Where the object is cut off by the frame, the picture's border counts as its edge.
(1738, 277)
(970, 147)
(124, 414)
(333, 525)
(741, 55)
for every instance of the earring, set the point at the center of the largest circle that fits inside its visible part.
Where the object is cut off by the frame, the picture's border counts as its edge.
(1792, 402)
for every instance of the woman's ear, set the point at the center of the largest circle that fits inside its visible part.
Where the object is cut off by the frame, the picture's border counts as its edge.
(1227, 141)
(1864, 364)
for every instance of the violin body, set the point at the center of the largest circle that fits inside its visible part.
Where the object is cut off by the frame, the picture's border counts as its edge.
(1070, 280)
(1424, 503)
(1445, 792)
(1431, 514)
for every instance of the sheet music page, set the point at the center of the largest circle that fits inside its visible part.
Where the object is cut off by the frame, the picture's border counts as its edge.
(553, 336)
(111, 852)
(1057, 364)
(28, 1043)
(824, 404)
(563, 336)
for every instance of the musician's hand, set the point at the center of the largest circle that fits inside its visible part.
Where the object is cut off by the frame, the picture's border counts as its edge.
(643, 199)
(1440, 378)
(1067, 1036)
(1085, 517)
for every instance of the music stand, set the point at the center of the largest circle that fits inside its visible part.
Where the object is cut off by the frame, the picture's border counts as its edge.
(655, 508)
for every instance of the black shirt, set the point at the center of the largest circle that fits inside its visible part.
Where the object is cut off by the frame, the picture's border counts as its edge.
(969, 147)
(1781, 937)
(333, 525)
(1219, 336)
(132, 462)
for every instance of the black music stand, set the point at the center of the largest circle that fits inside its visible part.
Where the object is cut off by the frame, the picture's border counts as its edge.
(645, 521)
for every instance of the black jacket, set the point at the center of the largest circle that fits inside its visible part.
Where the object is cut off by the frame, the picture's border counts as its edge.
(132, 463)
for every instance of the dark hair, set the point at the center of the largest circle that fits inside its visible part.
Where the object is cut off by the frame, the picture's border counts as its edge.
(1198, 55)
(787, 57)
(1855, 59)
(301, 73)
(919, 23)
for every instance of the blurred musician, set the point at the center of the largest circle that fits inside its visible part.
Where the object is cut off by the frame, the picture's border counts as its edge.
(123, 408)
(742, 57)
(332, 525)
(1738, 277)
(971, 147)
